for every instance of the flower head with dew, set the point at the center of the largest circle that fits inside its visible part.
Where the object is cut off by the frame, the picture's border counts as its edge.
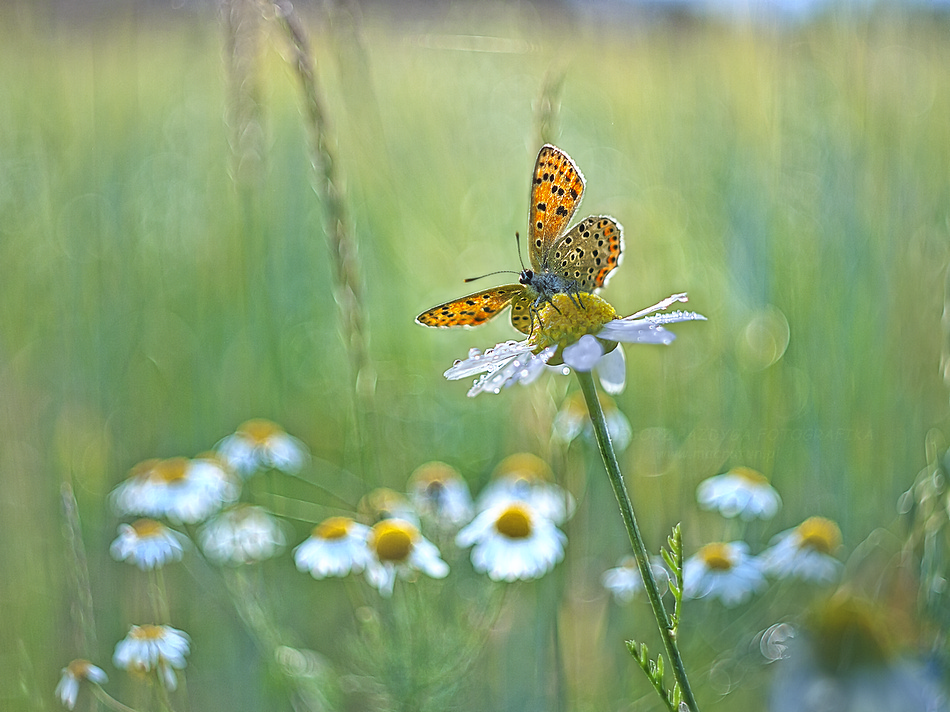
(577, 334)
(740, 492)
(624, 581)
(181, 490)
(336, 547)
(724, 571)
(511, 541)
(528, 478)
(805, 552)
(78, 671)
(846, 655)
(398, 549)
(260, 444)
(148, 544)
(153, 648)
(241, 534)
(437, 490)
(573, 420)
(384, 503)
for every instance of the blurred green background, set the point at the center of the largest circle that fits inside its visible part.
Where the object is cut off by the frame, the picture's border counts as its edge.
(164, 276)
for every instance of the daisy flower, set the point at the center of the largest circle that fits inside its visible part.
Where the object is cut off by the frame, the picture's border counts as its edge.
(384, 503)
(526, 477)
(576, 334)
(438, 490)
(805, 552)
(242, 534)
(260, 444)
(182, 490)
(153, 647)
(512, 542)
(148, 544)
(67, 690)
(625, 581)
(336, 547)
(573, 419)
(399, 549)
(742, 491)
(723, 571)
(844, 657)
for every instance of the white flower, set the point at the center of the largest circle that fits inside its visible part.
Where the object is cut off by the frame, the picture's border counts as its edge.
(570, 332)
(185, 491)
(399, 549)
(384, 503)
(336, 547)
(438, 490)
(76, 672)
(741, 491)
(805, 552)
(625, 581)
(843, 657)
(153, 647)
(260, 444)
(512, 542)
(526, 477)
(148, 544)
(573, 419)
(243, 534)
(644, 327)
(723, 571)
(506, 364)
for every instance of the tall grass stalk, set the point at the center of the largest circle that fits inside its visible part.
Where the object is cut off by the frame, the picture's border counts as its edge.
(344, 255)
(667, 630)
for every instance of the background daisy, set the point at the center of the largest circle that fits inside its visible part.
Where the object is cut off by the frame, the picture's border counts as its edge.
(512, 541)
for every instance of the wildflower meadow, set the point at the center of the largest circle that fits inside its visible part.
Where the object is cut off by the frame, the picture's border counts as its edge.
(524, 357)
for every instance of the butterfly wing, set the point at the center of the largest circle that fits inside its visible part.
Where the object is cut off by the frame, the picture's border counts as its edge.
(557, 187)
(471, 310)
(588, 253)
(522, 306)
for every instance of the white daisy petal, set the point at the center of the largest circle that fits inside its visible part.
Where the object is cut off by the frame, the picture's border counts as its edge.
(612, 371)
(583, 354)
(337, 547)
(398, 549)
(147, 544)
(153, 647)
(723, 571)
(512, 542)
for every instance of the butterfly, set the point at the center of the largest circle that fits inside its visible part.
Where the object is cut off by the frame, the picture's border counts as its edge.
(562, 261)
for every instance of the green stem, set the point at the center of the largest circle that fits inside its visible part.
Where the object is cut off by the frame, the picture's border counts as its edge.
(636, 539)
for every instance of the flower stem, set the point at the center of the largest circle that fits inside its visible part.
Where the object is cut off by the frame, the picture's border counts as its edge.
(636, 539)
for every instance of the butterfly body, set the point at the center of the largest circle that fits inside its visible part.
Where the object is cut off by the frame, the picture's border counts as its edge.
(563, 261)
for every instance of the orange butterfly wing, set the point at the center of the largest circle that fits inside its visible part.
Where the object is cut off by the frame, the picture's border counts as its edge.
(557, 187)
(471, 310)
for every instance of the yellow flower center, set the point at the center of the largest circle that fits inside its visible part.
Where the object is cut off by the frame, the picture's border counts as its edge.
(717, 557)
(850, 632)
(566, 318)
(382, 503)
(514, 523)
(819, 534)
(145, 528)
(259, 430)
(170, 471)
(749, 475)
(78, 669)
(434, 473)
(333, 528)
(524, 465)
(147, 632)
(392, 540)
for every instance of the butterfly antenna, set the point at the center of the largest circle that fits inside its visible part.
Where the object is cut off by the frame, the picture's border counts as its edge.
(518, 243)
(501, 271)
